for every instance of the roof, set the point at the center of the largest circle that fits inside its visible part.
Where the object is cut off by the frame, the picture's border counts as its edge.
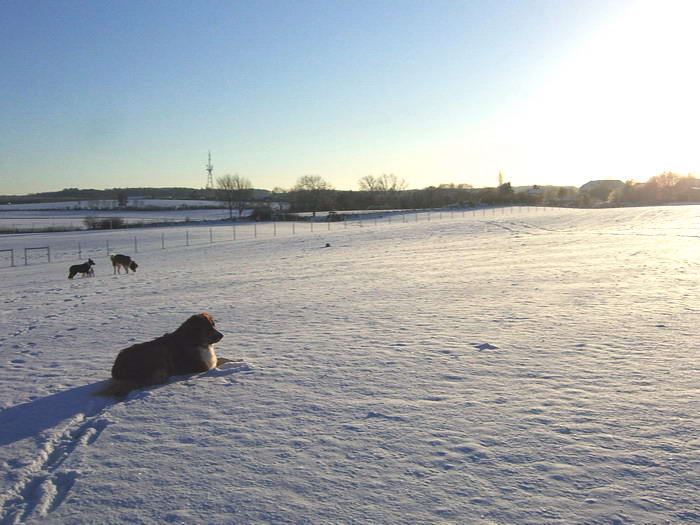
(604, 183)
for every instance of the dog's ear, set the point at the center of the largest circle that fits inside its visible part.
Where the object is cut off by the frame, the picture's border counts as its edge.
(208, 318)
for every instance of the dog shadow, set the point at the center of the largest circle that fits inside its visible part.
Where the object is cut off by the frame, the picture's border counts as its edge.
(36, 416)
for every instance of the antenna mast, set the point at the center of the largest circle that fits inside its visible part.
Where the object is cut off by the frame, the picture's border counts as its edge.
(210, 178)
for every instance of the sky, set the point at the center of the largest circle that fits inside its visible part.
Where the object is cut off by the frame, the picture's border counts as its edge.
(98, 94)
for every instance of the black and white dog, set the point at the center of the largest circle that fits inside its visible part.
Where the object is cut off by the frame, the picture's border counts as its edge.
(85, 269)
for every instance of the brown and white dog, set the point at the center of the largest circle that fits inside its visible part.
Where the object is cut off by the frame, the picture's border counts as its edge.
(120, 261)
(187, 350)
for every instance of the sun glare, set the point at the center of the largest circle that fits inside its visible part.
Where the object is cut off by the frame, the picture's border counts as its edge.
(625, 104)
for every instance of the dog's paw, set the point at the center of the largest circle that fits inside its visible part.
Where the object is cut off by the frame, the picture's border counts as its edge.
(229, 367)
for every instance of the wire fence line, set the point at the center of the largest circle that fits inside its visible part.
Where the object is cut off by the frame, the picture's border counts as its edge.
(79, 246)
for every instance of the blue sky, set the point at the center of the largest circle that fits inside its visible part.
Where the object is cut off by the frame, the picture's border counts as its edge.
(98, 94)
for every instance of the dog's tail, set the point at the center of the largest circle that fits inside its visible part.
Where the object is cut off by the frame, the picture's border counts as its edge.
(116, 388)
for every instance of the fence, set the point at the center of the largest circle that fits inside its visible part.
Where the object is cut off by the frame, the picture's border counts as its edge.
(89, 245)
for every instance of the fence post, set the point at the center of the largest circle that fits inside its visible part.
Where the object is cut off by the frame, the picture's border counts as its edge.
(136, 245)
(255, 230)
(211, 236)
(107, 246)
(274, 229)
(162, 241)
(329, 225)
(26, 262)
(48, 251)
(234, 232)
(12, 256)
(293, 229)
(80, 253)
(187, 237)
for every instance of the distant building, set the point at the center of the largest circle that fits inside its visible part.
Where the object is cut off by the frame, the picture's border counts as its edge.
(602, 185)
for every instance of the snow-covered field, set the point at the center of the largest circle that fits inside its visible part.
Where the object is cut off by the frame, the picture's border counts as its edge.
(107, 204)
(531, 368)
(38, 221)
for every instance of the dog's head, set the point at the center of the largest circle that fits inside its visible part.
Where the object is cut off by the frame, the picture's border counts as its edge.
(201, 328)
(133, 266)
(91, 262)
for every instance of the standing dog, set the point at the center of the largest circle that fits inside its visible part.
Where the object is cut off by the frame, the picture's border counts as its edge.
(85, 269)
(187, 350)
(120, 261)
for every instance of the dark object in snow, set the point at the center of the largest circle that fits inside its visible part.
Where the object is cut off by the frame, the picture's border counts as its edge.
(187, 350)
(85, 269)
(328, 245)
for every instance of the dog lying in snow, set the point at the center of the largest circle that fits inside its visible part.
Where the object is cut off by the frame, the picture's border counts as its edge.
(187, 350)
(120, 261)
(85, 269)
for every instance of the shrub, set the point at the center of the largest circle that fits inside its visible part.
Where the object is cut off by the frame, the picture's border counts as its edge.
(103, 223)
(262, 214)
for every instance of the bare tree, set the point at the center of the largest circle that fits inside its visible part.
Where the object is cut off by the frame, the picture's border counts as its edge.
(368, 183)
(237, 191)
(311, 189)
(384, 183)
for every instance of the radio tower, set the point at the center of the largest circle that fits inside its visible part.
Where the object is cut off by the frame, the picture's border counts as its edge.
(210, 178)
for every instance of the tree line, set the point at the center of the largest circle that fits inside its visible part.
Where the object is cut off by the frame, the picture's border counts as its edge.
(663, 188)
(313, 193)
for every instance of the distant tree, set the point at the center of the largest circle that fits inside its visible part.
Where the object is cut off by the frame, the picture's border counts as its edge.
(368, 183)
(669, 186)
(311, 191)
(384, 188)
(383, 183)
(236, 191)
(312, 183)
(122, 199)
(505, 189)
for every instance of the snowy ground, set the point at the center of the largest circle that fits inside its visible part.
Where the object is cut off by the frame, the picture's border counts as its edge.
(534, 368)
(41, 220)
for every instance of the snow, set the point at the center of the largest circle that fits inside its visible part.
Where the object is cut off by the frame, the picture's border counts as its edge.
(532, 367)
(107, 204)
